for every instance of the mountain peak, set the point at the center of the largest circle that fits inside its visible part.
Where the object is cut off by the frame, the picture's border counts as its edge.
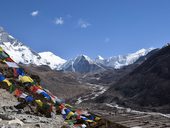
(52, 59)
(84, 57)
(124, 60)
(100, 57)
(142, 51)
(81, 64)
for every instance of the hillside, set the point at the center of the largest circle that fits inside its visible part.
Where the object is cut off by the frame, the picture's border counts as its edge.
(61, 84)
(146, 87)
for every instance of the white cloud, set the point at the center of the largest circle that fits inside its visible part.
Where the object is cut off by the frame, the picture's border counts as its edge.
(59, 21)
(83, 23)
(107, 39)
(35, 13)
(68, 16)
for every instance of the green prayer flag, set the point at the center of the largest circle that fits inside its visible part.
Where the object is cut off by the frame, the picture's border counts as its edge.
(12, 88)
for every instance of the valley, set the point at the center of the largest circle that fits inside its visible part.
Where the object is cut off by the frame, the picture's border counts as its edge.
(126, 91)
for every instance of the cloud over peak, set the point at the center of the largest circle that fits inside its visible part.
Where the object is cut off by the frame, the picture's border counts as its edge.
(35, 13)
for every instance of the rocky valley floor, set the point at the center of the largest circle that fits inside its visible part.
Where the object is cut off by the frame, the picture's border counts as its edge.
(122, 117)
(126, 118)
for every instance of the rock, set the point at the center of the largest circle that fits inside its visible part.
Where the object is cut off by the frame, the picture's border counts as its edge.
(6, 117)
(38, 125)
(9, 109)
(16, 121)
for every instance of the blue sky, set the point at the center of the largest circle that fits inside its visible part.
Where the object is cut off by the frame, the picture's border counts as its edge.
(92, 27)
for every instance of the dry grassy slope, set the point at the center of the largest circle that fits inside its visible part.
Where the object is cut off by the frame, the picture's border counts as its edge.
(63, 85)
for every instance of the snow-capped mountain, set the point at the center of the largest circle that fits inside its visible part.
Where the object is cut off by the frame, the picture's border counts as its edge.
(54, 61)
(123, 60)
(81, 64)
(99, 59)
(20, 53)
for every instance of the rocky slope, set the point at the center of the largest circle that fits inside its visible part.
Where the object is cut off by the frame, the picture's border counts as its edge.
(10, 117)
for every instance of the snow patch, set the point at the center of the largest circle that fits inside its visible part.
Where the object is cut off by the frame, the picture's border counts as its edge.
(100, 58)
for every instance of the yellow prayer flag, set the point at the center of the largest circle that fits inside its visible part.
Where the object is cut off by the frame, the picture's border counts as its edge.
(8, 82)
(39, 102)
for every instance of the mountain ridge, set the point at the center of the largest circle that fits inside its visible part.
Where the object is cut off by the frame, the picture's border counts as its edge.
(25, 55)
